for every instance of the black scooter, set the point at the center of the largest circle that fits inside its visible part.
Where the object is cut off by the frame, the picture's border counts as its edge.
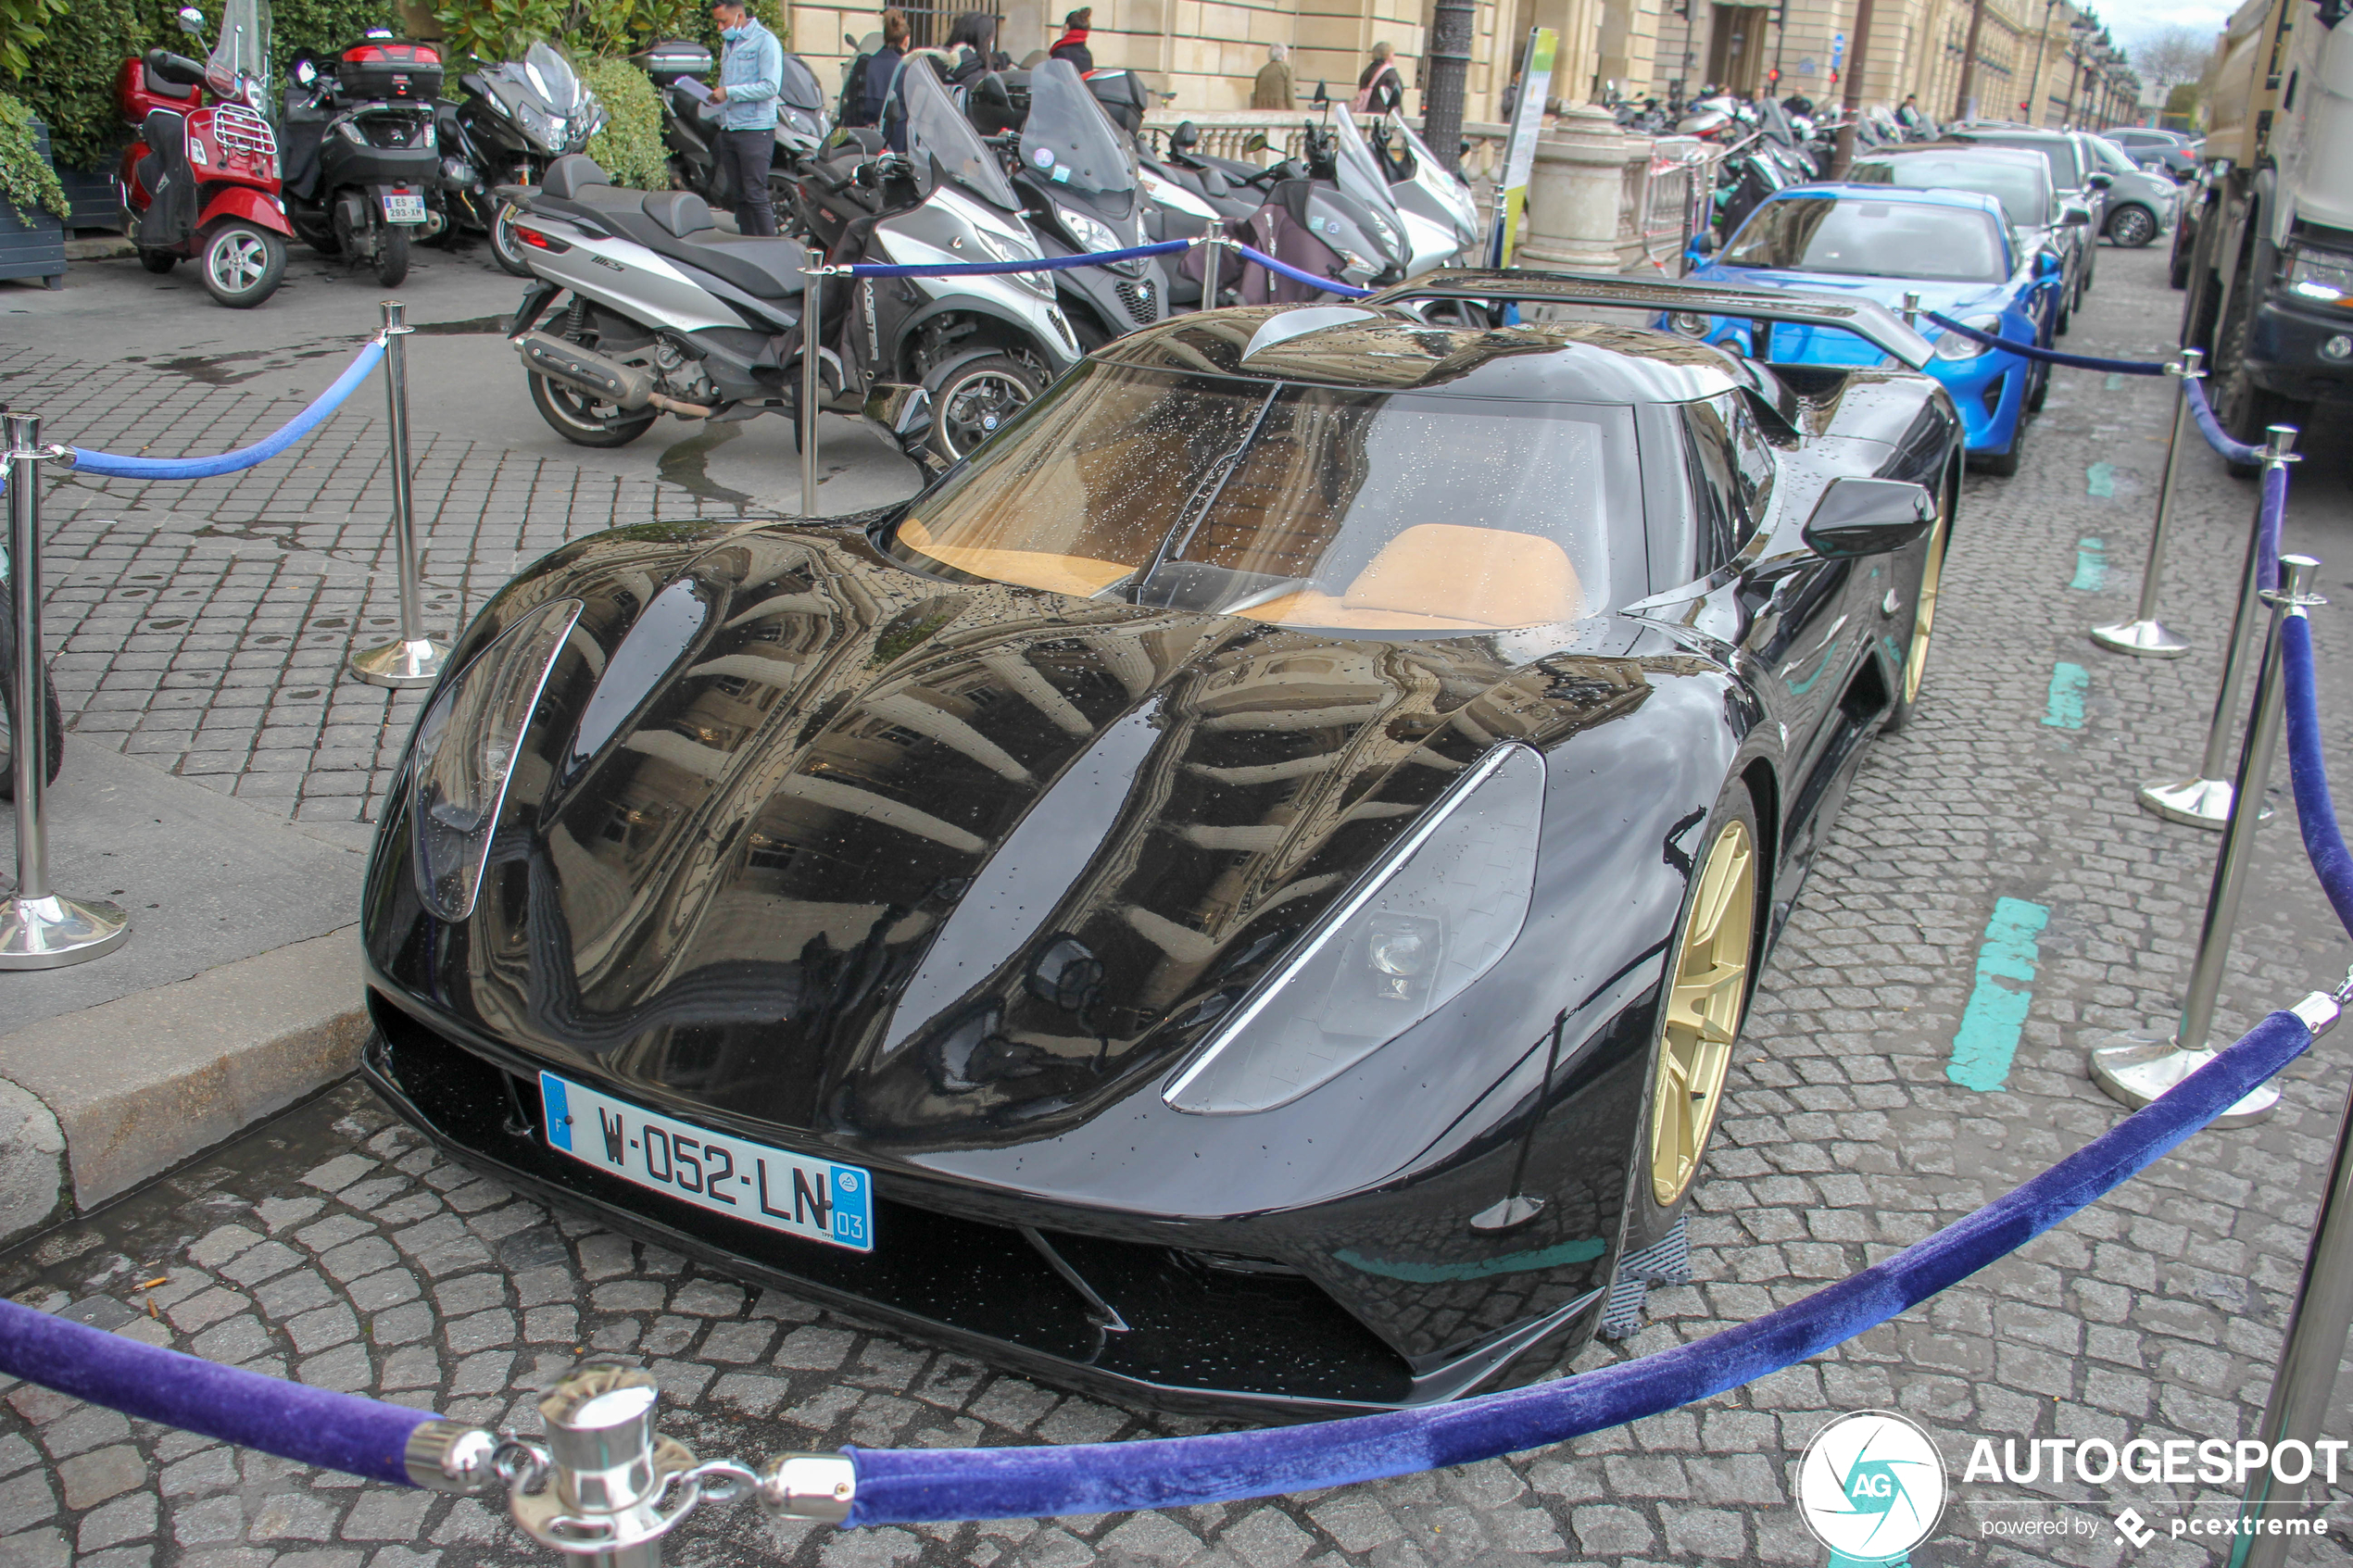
(519, 116)
(360, 164)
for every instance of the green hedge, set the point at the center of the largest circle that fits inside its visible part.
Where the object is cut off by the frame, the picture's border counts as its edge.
(629, 147)
(26, 181)
(70, 81)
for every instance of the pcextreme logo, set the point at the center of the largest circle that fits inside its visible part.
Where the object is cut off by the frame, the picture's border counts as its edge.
(1871, 1485)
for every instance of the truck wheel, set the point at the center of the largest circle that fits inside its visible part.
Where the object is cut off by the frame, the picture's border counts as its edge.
(242, 265)
(2244, 409)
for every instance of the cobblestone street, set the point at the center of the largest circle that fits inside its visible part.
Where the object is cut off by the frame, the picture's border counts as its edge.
(203, 627)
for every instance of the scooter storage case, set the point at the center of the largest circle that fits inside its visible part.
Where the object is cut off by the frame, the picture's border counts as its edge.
(386, 70)
(667, 62)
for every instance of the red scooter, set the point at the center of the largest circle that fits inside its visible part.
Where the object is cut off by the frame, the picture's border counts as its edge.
(201, 181)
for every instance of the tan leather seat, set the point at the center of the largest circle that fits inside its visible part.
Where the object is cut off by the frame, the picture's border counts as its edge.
(1442, 576)
(1080, 575)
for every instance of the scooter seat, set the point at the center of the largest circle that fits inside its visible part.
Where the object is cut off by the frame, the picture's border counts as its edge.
(763, 268)
(681, 212)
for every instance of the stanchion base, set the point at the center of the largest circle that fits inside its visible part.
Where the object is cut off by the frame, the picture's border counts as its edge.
(2198, 803)
(51, 932)
(2143, 639)
(400, 664)
(2140, 1064)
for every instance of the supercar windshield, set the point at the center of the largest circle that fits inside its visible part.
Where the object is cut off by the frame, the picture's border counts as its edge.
(1870, 239)
(1398, 513)
(2019, 184)
(1068, 140)
(921, 121)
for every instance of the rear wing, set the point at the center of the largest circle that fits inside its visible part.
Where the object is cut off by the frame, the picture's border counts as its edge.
(1873, 322)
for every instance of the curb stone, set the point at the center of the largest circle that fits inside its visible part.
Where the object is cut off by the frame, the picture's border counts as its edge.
(94, 1102)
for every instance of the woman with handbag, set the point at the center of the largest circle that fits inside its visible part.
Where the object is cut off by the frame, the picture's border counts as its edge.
(1381, 89)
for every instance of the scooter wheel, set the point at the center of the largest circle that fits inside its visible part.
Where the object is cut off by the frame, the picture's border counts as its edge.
(573, 415)
(974, 402)
(157, 261)
(392, 256)
(242, 264)
(503, 244)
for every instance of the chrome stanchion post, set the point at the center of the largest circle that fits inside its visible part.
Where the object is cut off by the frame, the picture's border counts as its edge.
(2204, 800)
(812, 299)
(2144, 636)
(2316, 1335)
(1911, 311)
(1215, 246)
(607, 1472)
(2139, 1065)
(415, 659)
(38, 929)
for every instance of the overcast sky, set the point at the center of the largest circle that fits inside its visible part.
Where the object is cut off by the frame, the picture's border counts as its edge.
(2129, 20)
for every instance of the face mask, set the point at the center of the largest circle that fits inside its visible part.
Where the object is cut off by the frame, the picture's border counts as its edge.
(735, 34)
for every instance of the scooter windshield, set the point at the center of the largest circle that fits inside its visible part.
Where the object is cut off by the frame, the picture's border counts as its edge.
(1068, 139)
(922, 120)
(243, 49)
(800, 89)
(1432, 176)
(1359, 176)
(551, 76)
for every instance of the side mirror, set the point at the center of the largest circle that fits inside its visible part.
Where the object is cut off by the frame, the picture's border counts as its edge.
(2047, 266)
(1868, 517)
(1703, 243)
(192, 22)
(1185, 137)
(1322, 97)
(2099, 180)
(305, 74)
(2075, 217)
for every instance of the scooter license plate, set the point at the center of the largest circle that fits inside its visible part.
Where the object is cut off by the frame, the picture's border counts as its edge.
(404, 209)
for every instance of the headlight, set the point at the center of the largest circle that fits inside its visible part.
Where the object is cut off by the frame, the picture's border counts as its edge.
(1953, 345)
(1439, 911)
(1091, 233)
(465, 753)
(2320, 275)
(1002, 249)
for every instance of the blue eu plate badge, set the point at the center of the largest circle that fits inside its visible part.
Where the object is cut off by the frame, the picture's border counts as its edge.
(812, 1198)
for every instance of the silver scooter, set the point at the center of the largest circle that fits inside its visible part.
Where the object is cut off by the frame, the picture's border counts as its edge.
(651, 308)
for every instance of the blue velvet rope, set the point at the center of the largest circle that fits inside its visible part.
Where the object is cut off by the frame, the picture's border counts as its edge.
(2216, 436)
(308, 1425)
(2049, 355)
(909, 1486)
(986, 268)
(2308, 769)
(114, 467)
(1329, 286)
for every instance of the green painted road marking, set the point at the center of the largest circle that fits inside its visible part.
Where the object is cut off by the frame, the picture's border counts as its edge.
(2066, 709)
(2100, 480)
(1987, 1041)
(2091, 565)
(2115, 383)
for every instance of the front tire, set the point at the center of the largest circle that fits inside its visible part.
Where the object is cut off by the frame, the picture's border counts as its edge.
(1714, 971)
(974, 402)
(2132, 227)
(503, 243)
(392, 255)
(1909, 679)
(585, 422)
(242, 264)
(2244, 409)
(2003, 465)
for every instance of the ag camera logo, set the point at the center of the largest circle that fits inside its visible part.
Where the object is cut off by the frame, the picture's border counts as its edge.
(1871, 1485)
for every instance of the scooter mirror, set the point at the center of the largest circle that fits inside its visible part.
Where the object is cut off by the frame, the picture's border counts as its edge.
(305, 74)
(1186, 137)
(1322, 97)
(191, 21)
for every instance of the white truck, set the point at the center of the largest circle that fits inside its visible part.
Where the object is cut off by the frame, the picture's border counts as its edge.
(2266, 245)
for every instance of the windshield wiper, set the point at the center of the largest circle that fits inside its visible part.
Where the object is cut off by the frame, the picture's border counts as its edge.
(1197, 506)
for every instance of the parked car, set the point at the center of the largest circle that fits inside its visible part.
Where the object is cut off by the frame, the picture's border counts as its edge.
(1950, 248)
(1238, 896)
(2170, 150)
(2020, 181)
(2141, 206)
(2071, 175)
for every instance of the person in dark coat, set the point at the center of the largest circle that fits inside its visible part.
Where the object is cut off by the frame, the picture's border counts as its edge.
(974, 34)
(1381, 89)
(881, 67)
(1072, 45)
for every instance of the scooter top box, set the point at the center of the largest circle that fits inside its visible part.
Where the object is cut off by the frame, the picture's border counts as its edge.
(383, 70)
(668, 61)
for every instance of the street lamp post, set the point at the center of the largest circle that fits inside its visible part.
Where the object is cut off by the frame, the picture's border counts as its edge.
(2033, 107)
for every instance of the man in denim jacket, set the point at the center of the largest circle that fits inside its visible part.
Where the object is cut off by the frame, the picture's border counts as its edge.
(751, 75)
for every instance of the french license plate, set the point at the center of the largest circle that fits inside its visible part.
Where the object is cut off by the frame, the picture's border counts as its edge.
(811, 1199)
(405, 209)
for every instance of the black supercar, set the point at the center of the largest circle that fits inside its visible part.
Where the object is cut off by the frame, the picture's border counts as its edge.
(1240, 897)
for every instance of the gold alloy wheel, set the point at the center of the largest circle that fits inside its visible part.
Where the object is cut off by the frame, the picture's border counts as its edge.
(1924, 614)
(1704, 1012)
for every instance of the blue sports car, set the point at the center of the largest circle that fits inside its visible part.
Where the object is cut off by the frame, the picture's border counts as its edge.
(1950, 248)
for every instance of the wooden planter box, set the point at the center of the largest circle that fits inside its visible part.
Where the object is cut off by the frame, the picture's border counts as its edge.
(96, 198)
(34, 245)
